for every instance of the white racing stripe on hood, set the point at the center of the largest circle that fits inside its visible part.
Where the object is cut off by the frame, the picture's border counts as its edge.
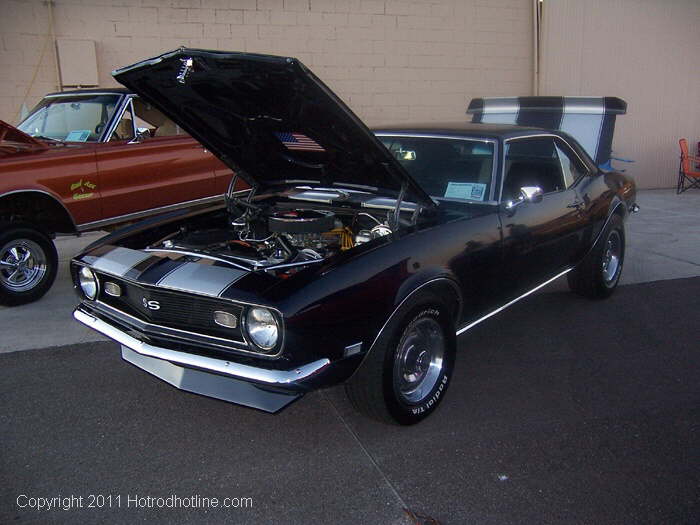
(201, 278)
(119, 261)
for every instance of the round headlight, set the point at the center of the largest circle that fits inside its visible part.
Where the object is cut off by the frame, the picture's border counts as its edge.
(262, 328)
(88, 282)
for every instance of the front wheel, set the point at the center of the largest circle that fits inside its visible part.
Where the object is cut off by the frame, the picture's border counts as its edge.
(599, 273)
(28, 264)
(406, 375)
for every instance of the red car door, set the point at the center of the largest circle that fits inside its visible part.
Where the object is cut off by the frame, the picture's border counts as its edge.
(149, 163)
(185, 170)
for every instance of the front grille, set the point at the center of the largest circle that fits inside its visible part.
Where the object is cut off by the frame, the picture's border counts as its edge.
(178, 310)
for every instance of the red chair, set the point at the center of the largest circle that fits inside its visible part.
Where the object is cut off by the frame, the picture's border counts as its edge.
(685, 171)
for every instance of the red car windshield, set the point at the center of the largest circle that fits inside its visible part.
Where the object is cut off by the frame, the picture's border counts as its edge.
(71, 118)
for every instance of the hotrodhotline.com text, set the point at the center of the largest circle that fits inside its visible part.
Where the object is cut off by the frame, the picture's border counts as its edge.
(129, 501)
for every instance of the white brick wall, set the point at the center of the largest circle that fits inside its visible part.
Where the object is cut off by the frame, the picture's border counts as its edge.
(390, 60)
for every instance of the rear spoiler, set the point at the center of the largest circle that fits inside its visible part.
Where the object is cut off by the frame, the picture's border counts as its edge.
(590, 120)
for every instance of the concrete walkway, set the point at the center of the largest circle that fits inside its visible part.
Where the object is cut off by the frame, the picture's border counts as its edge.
(663, 239)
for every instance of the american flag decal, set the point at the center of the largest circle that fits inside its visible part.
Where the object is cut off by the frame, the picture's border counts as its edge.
(298, 141)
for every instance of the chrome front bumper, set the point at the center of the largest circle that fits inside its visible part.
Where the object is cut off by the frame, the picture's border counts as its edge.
(265, 389)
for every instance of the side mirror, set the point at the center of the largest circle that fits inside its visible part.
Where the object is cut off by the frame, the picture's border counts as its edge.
(143, 134)
(531, 194)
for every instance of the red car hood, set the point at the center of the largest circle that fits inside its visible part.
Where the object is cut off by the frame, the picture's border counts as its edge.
(13, 140)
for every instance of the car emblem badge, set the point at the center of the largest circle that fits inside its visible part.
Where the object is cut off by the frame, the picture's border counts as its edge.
(185, 69)
(151, 305)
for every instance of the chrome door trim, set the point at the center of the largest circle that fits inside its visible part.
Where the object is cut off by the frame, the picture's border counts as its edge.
(115, 122)
(84, 94)
(119, 110)
(501, 308)
(145, 213)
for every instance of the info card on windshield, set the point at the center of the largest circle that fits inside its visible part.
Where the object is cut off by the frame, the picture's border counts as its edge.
(472, 191)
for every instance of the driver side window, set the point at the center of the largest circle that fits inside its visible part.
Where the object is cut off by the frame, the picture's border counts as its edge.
(532, 162)
(151, 119)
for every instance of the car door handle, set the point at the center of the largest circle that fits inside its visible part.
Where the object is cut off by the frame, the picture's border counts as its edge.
(577, 204)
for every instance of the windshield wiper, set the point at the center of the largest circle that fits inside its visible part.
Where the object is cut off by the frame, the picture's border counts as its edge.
(42, 137)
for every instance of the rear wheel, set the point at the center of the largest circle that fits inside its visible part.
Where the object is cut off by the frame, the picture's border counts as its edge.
(598, 274)
(405, 377)
(28, 264)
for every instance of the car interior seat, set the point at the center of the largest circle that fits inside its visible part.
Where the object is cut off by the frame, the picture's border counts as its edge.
(526, 173)
(168, 129)
(124, 130)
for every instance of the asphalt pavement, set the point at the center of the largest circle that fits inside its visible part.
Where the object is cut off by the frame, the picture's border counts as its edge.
(561, 410)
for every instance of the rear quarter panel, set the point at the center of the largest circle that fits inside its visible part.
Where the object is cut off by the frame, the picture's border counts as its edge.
(606, 193)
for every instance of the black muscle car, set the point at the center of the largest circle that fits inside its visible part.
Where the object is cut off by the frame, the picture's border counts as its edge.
(356, 256)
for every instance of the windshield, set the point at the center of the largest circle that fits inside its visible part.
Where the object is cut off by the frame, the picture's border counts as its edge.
(79, 118)
(451, 169)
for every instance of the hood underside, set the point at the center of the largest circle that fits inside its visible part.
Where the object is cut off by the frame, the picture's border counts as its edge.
(270, 119)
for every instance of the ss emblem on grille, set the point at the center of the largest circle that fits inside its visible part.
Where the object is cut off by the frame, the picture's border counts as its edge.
(151, 305)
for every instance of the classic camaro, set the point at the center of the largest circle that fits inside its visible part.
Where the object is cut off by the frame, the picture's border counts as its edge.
(355, 256)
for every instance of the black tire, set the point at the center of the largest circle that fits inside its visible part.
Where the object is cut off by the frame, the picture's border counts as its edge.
(595, 277)
(28, 278)
(381, 391)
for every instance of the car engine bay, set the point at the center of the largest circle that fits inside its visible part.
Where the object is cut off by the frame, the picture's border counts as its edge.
(278, 236)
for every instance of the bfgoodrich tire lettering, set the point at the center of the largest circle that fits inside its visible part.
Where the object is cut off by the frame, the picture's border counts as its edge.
(28, 264)
(406, 375)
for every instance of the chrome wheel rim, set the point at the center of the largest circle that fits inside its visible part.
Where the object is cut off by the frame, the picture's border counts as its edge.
(419, 361)
(612, 257)
(22, 265)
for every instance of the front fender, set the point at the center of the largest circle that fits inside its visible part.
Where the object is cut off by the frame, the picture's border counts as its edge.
(129, 235)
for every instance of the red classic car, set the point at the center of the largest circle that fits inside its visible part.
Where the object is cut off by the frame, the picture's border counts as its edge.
(87, 160)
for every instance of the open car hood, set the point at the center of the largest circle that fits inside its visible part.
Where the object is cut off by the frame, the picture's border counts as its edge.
(9, 133)
(270, 119)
